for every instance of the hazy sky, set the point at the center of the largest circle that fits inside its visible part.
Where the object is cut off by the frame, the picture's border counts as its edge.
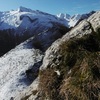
(53, 6)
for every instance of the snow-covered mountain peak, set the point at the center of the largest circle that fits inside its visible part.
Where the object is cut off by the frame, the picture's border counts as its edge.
(71, 20)
(23, 18)
(63, 16)
(23, 9)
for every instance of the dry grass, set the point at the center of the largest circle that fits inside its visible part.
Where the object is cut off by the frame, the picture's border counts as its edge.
(49, 85)
(80, 57)
(82, 83)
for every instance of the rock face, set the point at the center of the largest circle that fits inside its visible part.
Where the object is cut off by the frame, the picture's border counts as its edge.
(71, 66)
(76, 56)
(84, 28)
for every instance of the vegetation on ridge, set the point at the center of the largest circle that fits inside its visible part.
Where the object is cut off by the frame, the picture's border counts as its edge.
(79, 67)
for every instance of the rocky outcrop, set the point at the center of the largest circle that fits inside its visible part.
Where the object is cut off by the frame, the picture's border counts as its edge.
(76, 56)
(71, 66)
(84, 28)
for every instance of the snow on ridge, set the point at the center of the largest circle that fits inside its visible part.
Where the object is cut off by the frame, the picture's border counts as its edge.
(13, 66)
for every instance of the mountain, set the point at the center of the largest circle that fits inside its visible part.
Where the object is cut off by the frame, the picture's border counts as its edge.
(71, 66)
(73, 20)
(24, 18)
(56, 61)
(20, 63)
(18, 25)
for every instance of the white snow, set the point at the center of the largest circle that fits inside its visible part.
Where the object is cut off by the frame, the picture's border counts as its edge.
(12, 69)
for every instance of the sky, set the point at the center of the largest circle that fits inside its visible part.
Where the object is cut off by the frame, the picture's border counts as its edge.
(53, 6)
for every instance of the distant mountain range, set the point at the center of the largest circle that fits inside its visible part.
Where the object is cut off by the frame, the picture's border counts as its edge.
(73, 20)
(24, 18)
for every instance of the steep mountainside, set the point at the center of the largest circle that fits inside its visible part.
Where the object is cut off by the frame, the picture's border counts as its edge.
(71, 66)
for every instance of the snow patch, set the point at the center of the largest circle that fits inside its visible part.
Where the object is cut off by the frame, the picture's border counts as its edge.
(13, 66)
